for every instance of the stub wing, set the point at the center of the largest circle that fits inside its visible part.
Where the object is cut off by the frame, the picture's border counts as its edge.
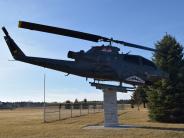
(112, 87)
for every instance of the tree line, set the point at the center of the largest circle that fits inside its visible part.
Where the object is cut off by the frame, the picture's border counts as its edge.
(13, 105)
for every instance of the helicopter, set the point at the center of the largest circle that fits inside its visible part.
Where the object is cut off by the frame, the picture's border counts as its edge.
(101, 63)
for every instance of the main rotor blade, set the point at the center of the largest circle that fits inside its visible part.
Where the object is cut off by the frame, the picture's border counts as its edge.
(61, 31)
(76, 34)
(134, 45)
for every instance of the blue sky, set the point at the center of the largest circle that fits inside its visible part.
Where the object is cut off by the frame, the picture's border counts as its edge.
(143, 22)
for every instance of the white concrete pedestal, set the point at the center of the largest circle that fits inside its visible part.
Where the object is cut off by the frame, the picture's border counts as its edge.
(110, 108)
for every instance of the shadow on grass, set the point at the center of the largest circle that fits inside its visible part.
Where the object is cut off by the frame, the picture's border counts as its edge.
(162, 128)
(119, 114)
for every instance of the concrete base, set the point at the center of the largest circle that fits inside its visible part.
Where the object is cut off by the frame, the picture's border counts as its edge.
(114, 127)
(110, 108)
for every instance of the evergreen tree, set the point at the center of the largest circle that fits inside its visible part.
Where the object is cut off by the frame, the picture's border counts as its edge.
(139, 97)
(136, 98)
(76, 104)
(143, 95)
(68, 104)
(85, 100)
(166, 97)
(85, 104)
(76, 101)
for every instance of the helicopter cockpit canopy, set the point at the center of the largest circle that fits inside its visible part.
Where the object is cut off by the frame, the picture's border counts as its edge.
(135, 59)
(104, 49)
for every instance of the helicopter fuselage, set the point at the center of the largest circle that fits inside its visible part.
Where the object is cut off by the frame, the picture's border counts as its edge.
(130, 69)
(101, 63)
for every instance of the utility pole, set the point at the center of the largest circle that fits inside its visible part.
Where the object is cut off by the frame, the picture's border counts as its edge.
(44, 108)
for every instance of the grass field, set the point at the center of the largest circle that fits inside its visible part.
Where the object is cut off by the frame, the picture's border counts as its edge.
(28, 123)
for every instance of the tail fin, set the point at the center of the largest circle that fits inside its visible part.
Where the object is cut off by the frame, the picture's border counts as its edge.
(14, 49)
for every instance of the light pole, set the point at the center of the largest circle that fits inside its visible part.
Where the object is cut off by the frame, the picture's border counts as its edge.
(44, 98)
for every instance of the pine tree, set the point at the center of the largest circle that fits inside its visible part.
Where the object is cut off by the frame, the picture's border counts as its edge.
(139, 97)
(76, 104)
(85, 104)
(166, 97)
(143, 95)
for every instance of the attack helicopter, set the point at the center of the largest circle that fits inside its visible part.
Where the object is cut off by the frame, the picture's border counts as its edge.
(101, 63)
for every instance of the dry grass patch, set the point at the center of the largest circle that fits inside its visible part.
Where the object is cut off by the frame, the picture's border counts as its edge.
(28, 123)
